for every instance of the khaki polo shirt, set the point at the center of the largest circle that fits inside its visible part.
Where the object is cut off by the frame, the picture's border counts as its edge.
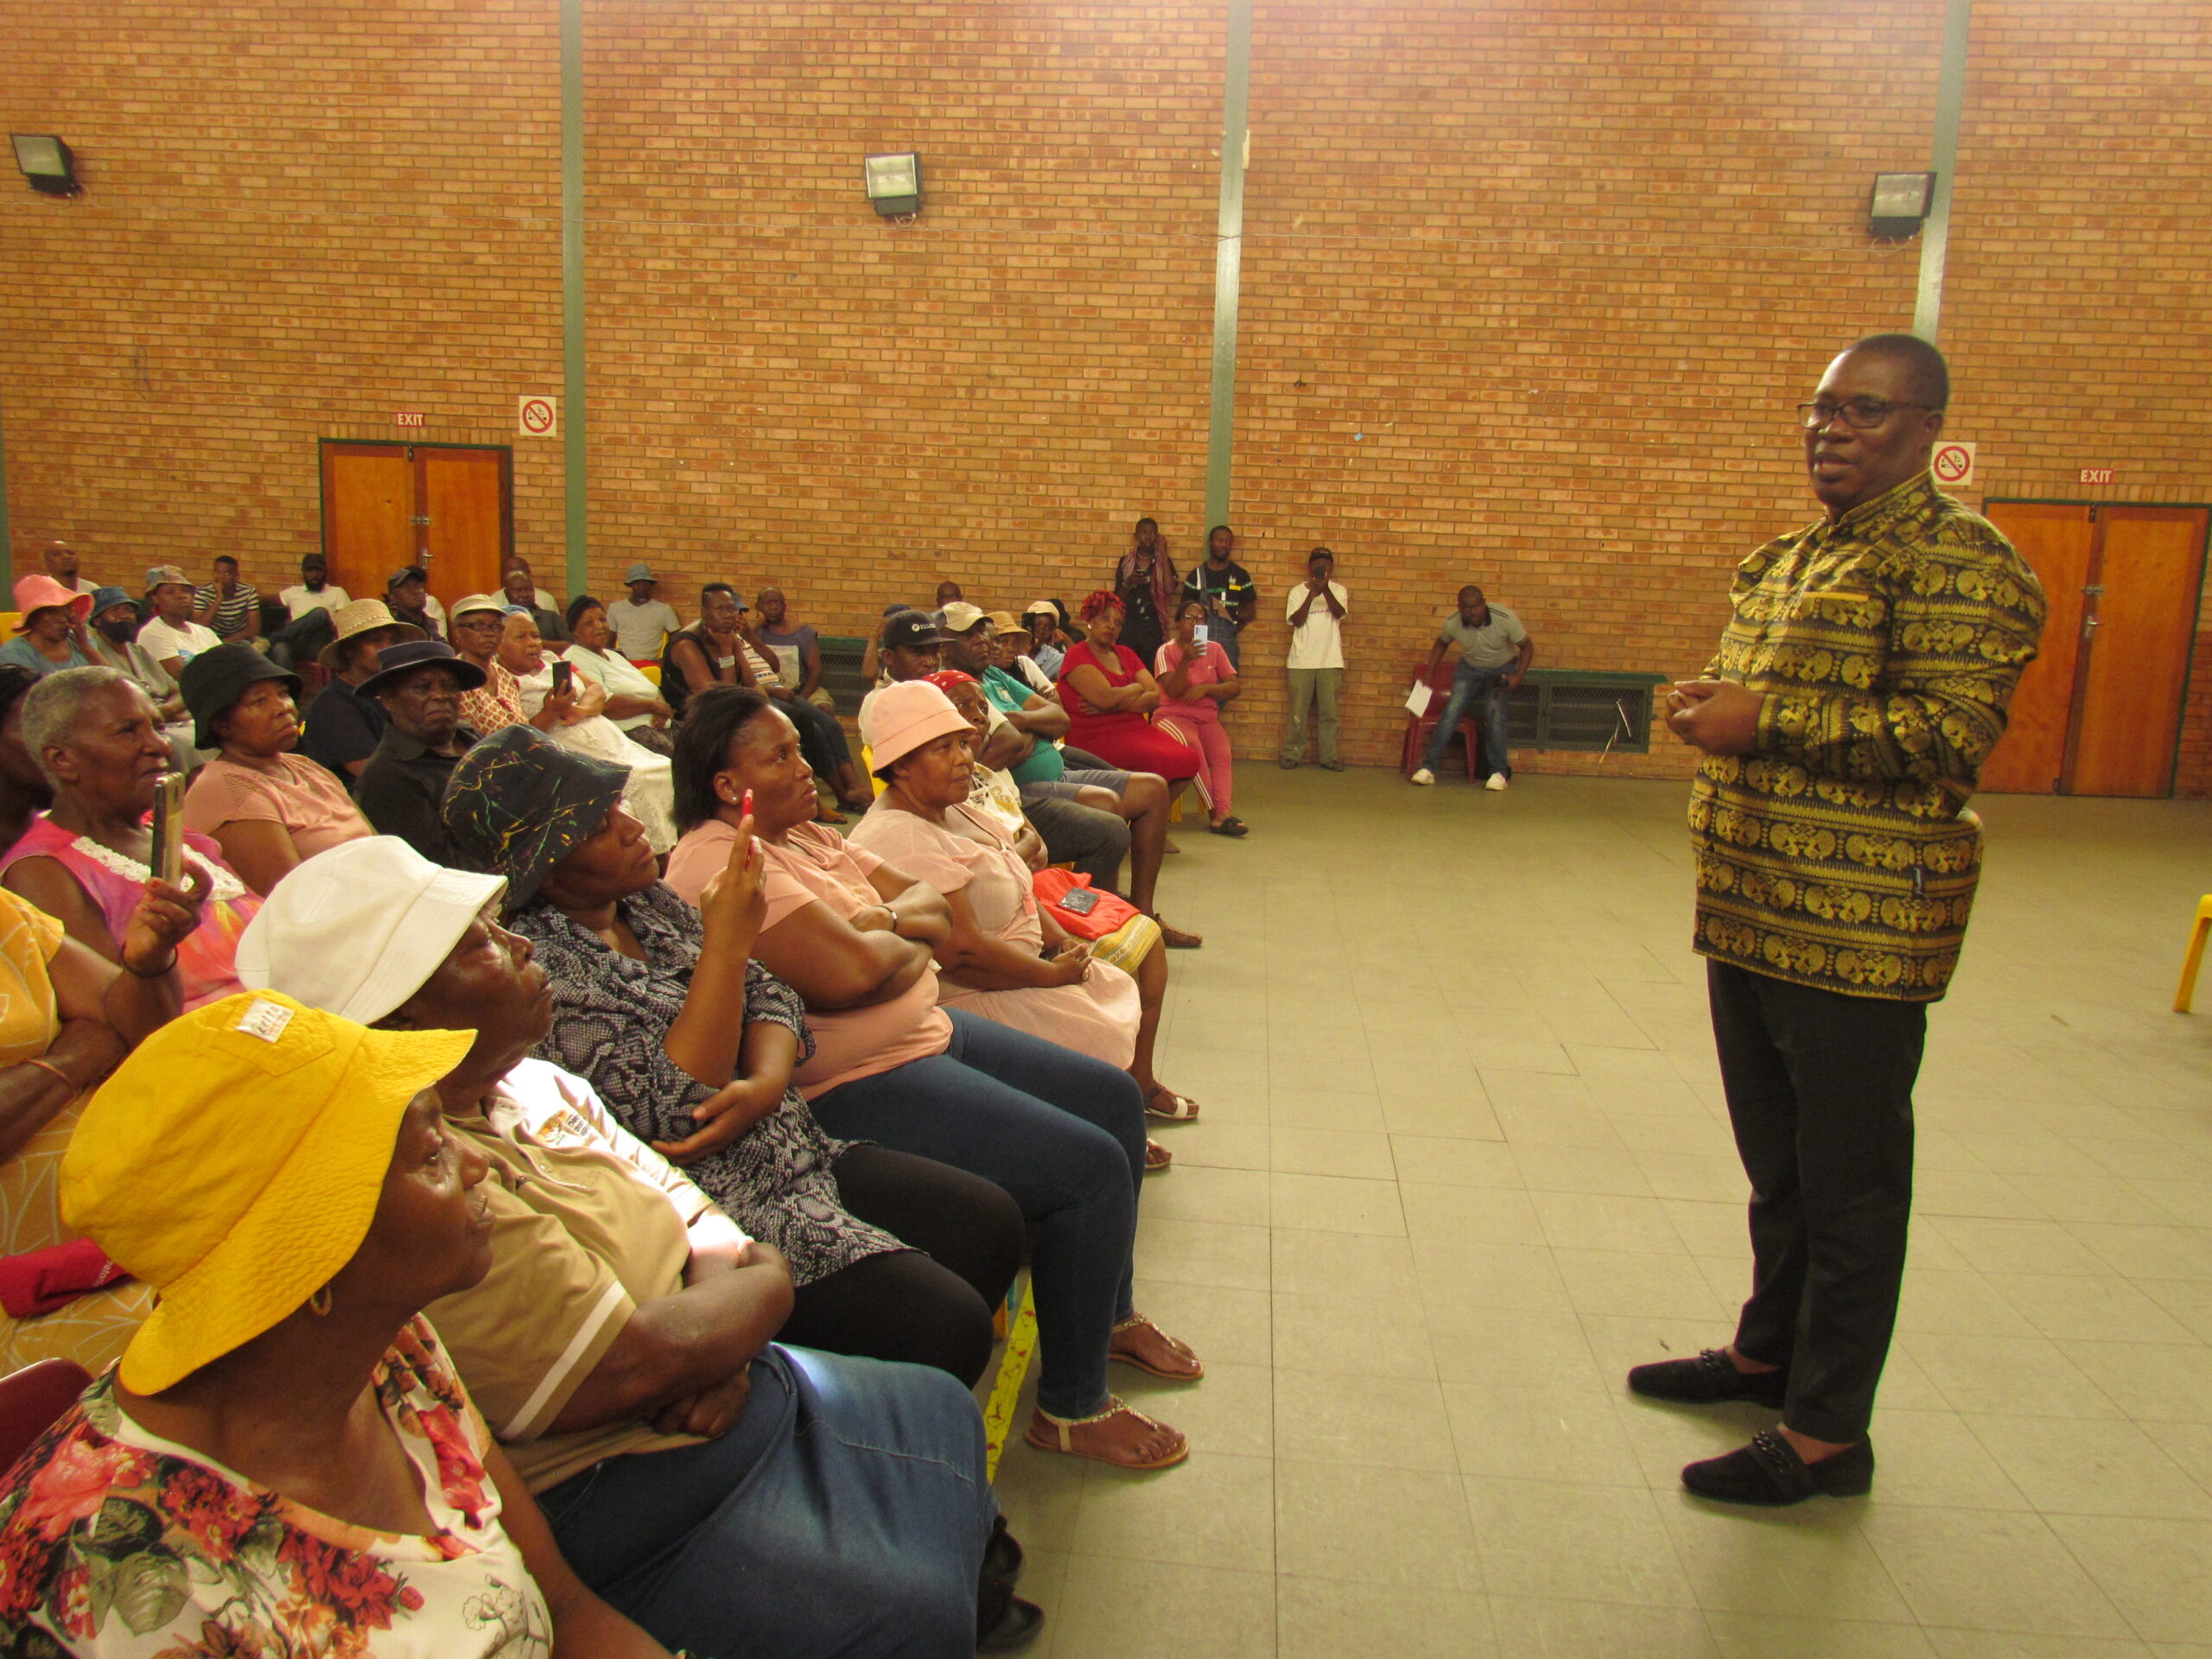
(586, 1224)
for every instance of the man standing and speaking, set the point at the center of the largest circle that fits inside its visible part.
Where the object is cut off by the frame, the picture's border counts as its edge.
(1858, 687)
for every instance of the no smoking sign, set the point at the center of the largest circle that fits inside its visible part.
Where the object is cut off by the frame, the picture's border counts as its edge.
(538, 417)
(1953, 465)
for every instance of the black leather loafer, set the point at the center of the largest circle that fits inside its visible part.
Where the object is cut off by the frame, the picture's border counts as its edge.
(1002, 1555)
(1769, 1472)
(1016, 1628)
(1708, 1380)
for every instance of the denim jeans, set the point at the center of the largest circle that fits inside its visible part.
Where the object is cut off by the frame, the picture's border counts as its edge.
(1064, 1134)
(844, 1513)
(1467, 686)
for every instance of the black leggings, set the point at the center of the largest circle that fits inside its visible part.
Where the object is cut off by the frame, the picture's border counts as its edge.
(820, 738)
(930, 1305)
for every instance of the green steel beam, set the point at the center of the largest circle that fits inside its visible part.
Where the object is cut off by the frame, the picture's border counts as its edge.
(1229, 260)
(572, 292)
(7, 542)
(1935, 231)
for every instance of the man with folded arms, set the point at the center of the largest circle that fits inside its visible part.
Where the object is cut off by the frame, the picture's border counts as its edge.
(1861, 683)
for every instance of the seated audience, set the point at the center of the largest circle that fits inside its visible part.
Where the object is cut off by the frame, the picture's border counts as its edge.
(1062, 1133)
(692, 1046)
(1009, 654)
(311, 607)
(284, 1461)
(407, 591)
(265, 806)
(642, 622)
(84, 861)
(53, 617)
(170, 636)
(230, 607)
(762, 1499)
(1045, 647)
(67, 1019)
(585, 730)
(525, 594)
(794, 648)
(344, 724)
(24, 791)
(1111, 694)
(480, 622)
(419, 684)
(113, 643)
(539, 599)
(1195, 681)
(633, 702)
(62, 564)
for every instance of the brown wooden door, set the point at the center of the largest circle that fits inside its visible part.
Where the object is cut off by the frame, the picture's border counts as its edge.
(447, 507)
(2141, 624)
(2099, 711)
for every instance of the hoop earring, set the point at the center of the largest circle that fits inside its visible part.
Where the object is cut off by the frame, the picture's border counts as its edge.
(319, 1304)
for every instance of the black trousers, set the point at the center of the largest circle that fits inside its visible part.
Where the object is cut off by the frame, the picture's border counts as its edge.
(928, 1305)
(1819, 1092)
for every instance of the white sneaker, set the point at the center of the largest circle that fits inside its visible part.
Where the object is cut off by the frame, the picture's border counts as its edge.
(1497, 781)
(1424, 777)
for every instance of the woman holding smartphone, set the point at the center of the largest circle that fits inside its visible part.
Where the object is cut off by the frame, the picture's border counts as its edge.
(1196, 678)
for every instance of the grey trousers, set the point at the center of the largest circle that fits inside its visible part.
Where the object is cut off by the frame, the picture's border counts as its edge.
(1307, 687)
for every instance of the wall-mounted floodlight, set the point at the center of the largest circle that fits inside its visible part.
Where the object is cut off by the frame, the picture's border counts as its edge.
(894, 183)
(47, 162)
(1899, 203)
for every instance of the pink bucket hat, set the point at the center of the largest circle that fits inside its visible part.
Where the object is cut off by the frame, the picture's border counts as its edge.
(38, 591)
(898, 719)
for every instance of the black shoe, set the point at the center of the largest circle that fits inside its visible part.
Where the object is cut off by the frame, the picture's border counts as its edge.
(1770, 1472)
(1002, 1555)
(1708, 1380)
(1016, 1628)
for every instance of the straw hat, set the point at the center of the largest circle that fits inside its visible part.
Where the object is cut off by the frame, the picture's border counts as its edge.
(361, 617)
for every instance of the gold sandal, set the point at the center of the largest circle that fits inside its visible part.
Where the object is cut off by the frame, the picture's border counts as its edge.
(1138, 1321)
(1060, 1439)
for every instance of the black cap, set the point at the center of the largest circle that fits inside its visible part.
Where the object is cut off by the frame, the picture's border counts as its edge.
(909, 628)
(402, 574)
(215, 679)
(394, 660)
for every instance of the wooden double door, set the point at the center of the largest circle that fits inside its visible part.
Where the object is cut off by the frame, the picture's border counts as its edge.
(447, 507)
(2098, 712)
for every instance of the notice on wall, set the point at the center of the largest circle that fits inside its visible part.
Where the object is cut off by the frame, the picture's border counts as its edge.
(1953, 465)
(407, 417)
(2099, 475)
(537, 417)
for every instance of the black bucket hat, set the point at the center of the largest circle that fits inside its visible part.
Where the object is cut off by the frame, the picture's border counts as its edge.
(215, 679)
(394, 660)
(517, 803)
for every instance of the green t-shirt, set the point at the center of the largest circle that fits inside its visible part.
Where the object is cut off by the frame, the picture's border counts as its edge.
(1044, 765)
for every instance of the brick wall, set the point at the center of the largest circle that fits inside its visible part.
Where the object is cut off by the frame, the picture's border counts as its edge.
(1528, 288)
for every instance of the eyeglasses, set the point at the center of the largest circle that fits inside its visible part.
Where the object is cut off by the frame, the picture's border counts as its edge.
(1860, 413)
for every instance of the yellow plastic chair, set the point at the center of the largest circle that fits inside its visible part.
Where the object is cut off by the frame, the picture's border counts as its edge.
(12, 623)
(2196, 956)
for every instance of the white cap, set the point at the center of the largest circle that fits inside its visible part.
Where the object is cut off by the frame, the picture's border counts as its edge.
(361, 927)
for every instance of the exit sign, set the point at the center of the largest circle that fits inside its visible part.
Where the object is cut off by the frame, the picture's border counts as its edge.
(407, 418)
(2096, 475)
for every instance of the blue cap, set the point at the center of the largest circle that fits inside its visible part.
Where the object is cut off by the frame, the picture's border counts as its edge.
(107, 598)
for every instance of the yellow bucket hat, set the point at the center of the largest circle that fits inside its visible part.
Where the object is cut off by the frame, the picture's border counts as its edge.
(233, 1162)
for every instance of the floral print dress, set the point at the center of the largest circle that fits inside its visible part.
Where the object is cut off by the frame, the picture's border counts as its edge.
(611, 1014)
(118, 1543)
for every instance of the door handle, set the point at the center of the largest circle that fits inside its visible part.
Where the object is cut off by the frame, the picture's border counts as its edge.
(2088, 627)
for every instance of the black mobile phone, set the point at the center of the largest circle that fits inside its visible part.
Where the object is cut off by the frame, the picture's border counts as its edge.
(1081, 901)
(166, 859)
(564, 676)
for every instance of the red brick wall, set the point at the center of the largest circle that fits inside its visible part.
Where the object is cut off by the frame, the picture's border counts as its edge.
(1528, 288)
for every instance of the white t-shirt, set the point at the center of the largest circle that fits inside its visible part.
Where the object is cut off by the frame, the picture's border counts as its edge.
(1318, 642)
(638, 628)
(186, 640)
(298, 602)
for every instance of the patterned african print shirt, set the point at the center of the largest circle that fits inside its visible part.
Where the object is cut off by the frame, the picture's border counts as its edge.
(1841, 853)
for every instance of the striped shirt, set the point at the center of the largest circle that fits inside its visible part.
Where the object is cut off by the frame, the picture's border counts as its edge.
(1841, 853)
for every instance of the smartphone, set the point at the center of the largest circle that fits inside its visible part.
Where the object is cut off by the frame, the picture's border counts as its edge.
(1198, 636)
(167, 860)
(1081, 901)
(564, 676)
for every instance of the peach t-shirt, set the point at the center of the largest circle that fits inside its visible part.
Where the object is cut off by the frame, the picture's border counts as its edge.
(818, 865)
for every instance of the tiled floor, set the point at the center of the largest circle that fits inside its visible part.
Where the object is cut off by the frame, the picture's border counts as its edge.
(1464, 1160)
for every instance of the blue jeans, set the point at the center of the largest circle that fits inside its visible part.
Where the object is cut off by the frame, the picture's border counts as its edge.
(1468, 684)
(1064, 1134)
(845, 1513)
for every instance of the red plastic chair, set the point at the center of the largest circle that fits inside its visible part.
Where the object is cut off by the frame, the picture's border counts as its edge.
(30, 1400)
(1419, 727)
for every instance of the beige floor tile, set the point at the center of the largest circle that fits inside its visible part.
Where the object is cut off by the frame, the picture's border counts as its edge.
(1039, 1492)
(1358, 1154)
(1215, 1509)
(1345, 1071)
(1547, 1125)
(2105, 1308)
(1344, 1266)
(1633, 1282)
(2106, 1467)
(1466, 1215)
(1191, 1191)
(1374, 1525)
(1710, 1229)
(1441, 1117)
(2158, 1572)
(1360, 1337)
(1549, 1433)
(2189, 1300)
(1322, 1618)
(2149, 1252)
(1556, 1539)
(1531, 1627)
(1230, 1410)
(1983, 1569)
(1114, 1609)
(1503, 1053)
(1931, 1460)
(1973, 1194)
(2008, 1645)
(1706, 1177)
(1768, 1636)
(1336, 1417)
(1505, 1348)
(2152, 1381)
(1336, 1203)
(1546, 1168)
(1456, 1278)
(1811, 1561)
(1991, 1246)
(2027, 1376)
(1227, 1326)
(1607, 1221)
(1202, 1252)
(1300, 1108)
(1221, 1144)
(1956, 1303)
(1442, 1161)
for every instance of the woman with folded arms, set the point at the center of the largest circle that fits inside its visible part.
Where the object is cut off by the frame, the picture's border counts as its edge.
(633, 702)
(1110, 695)
(285, 1460)
(1062, 1133)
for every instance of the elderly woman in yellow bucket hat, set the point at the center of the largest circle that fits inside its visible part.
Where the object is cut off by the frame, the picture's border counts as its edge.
(285, 1460)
